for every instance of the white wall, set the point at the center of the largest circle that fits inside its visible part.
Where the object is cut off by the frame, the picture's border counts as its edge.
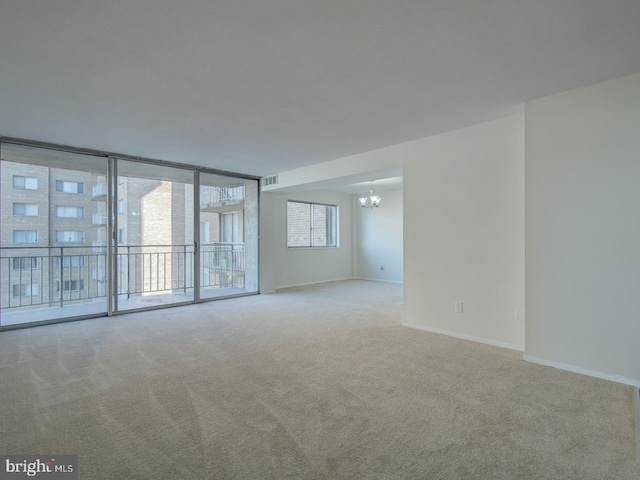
(282, 267)
(378, 238)
(267, 243)
(583, 229)
(464, 232)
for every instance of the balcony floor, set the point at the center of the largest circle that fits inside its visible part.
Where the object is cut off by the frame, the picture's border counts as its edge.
(97, 306)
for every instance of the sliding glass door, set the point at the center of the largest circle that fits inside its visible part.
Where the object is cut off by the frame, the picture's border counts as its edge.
(228, 233)
(91, 235)
(154, 238)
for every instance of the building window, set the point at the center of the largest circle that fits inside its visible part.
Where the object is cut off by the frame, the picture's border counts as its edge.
(71, 285)
(120, 235)
(69, 187)
(25, 183)
(25, 210)
(25, 263)
(25, 236)
(311, 225)
(69, 236)
(229, 231)
(25, 290)
(205, 233)
(71, 261)
(70, 212)
(121, 206)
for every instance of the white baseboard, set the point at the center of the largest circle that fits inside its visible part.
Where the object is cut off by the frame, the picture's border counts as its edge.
(379, 280)
(318, 282)
(584, 371)
(293, 285)
(561, 366)
(486, 341)
(636, 394)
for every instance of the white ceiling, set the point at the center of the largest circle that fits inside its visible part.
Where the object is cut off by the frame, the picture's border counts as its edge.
(258, 87)
(363, 188)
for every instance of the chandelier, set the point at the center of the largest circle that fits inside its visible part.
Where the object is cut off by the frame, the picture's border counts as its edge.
(370, 201)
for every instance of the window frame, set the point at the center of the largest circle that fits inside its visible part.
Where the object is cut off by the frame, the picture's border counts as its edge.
(25, 182)
(24, 263)
(68, 284)
(78, 186)
(336, 223)
(25, 207)
(24, 232)
(71, 261)
(75, 232)
(29, 289)
(65, 207)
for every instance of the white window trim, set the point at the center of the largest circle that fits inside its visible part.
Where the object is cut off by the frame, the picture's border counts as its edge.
(314, 247)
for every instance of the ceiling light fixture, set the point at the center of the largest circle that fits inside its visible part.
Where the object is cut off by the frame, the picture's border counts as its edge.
(371, 201)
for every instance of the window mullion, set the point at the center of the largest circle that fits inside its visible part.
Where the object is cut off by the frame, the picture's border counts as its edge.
(311, 225)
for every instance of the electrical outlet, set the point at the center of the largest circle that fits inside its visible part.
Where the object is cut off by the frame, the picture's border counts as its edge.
(459, 307)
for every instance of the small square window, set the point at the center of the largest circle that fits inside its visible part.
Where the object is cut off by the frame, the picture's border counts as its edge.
(311, 225)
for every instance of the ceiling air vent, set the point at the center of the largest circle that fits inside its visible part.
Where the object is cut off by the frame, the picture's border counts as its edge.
(272, 180)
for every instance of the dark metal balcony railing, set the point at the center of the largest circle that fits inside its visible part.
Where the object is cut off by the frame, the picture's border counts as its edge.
(55, 276)
(154, 269)
(222, 265)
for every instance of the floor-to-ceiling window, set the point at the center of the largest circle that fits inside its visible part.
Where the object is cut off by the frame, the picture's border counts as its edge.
(154, 261)
(50, 265)
(93, 234)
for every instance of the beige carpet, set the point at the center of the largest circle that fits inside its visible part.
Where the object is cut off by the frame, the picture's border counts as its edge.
(318, 382)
